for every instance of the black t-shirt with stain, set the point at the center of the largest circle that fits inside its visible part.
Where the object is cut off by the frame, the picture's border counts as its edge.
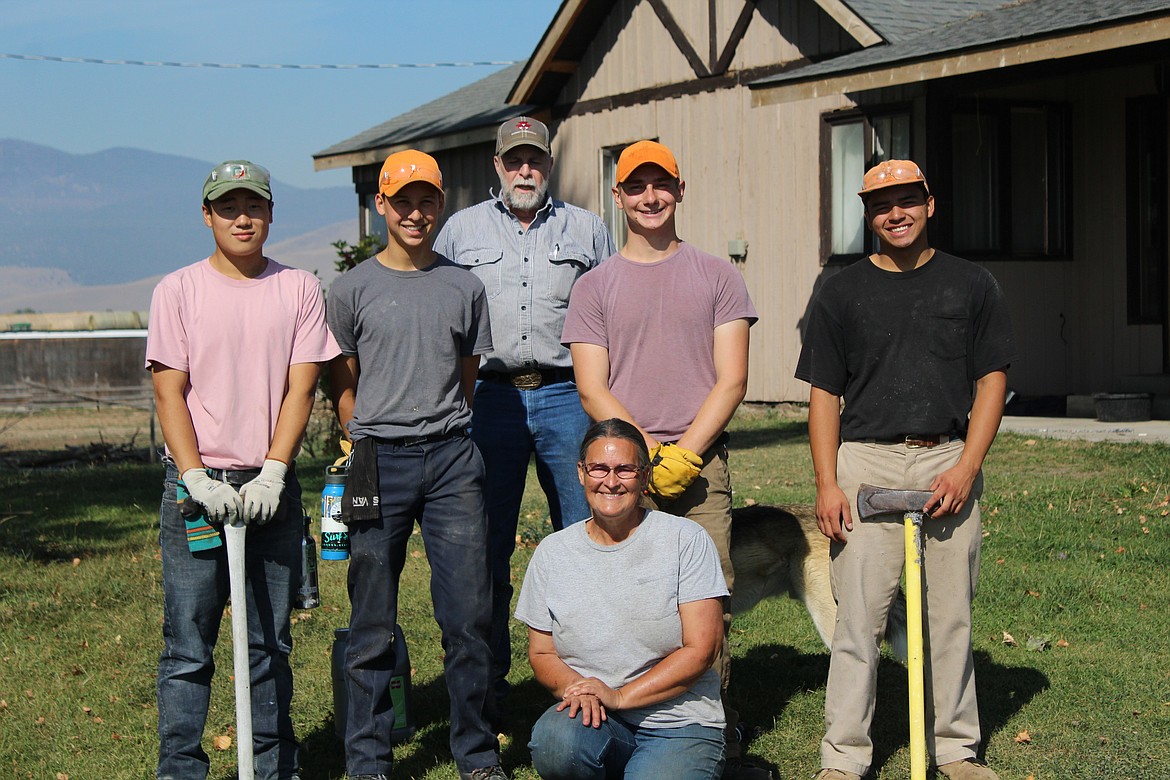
(904, 349)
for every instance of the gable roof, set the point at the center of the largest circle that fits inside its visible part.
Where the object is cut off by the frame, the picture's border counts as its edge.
(998, 27)
(577, 22)
(454, 119)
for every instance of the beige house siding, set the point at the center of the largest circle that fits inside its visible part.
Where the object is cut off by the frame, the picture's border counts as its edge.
(723, 146)
(633, 49)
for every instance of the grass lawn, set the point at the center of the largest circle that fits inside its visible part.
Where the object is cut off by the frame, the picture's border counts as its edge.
(1071, 641)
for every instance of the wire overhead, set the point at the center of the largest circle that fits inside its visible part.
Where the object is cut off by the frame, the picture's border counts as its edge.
(166, 64)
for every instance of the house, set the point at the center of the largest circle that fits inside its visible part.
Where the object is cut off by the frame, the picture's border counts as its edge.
(1041, 126)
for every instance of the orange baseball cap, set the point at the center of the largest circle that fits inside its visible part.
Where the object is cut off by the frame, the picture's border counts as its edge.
(402, 168)
(644, 152)
(891, 173)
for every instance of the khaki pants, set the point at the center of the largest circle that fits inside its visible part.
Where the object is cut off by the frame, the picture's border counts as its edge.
(707, 501)
(865, 577)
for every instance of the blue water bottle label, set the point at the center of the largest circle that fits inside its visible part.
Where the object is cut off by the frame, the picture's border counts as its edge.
(334, 533)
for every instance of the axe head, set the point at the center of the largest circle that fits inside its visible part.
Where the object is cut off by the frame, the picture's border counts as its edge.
(872, 501)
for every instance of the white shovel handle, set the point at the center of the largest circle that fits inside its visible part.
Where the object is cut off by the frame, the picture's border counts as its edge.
(236, 534)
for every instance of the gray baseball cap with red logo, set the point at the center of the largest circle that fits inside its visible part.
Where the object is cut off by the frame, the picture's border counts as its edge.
(521, 131)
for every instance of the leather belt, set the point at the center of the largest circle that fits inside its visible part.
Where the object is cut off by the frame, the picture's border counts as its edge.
(235, 477)
(918, 440)
(411, 441)
(528, 378)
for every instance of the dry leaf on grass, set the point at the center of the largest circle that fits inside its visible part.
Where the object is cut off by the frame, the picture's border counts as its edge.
(1009, 640)
(1061, 642)
(222, 742)
(1023, 738)
(749, 502)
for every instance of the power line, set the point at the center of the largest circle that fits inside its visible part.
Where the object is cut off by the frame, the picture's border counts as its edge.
(165, 64)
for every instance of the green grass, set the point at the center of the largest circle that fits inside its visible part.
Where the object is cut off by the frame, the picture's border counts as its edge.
(1074, 556)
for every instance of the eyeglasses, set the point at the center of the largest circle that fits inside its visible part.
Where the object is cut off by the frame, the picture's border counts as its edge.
(623, 470)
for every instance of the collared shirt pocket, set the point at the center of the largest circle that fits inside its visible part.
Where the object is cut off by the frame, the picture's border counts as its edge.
(485, 263)
(566, 262)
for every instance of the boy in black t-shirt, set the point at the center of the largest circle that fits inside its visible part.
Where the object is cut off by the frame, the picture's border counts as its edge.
(903, 336)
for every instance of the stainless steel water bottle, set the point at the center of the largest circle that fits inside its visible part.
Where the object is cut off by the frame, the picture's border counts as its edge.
(308, 594)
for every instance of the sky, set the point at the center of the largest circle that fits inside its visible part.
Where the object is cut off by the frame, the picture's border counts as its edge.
(276, 117)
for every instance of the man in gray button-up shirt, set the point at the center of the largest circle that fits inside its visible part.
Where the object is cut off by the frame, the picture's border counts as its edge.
(529, 249)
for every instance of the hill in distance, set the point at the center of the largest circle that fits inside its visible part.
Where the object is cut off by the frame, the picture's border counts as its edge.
(124, 216)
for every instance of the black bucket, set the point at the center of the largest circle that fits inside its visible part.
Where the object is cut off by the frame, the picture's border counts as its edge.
(1123, 407)
(399, 687)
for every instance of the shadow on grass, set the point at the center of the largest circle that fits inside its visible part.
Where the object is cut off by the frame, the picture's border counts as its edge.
(779, 433)
(769, 676)
(323, 754)
(51, 515)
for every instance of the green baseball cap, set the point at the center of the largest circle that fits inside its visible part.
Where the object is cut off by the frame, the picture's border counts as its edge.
(237, 174)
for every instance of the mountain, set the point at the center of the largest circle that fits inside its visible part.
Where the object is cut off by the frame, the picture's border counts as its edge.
(124, 215)
(51, 290)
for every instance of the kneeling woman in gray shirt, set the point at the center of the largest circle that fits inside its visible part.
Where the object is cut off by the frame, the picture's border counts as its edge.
(624, 620)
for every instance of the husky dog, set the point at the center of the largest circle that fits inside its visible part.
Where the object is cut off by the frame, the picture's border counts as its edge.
(779, 551)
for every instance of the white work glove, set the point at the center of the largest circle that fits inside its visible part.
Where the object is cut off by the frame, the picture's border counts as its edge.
(219, 499)
(262, 495)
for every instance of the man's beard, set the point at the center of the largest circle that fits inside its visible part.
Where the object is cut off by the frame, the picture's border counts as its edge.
(523, 200)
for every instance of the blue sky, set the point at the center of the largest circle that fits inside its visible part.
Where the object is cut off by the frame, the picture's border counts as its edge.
(278, 118)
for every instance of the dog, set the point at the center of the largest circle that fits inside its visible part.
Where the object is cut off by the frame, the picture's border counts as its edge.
(780, 551)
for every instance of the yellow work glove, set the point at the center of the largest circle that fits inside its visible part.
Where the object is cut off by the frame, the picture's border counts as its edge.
(346, 448)
(675, 469)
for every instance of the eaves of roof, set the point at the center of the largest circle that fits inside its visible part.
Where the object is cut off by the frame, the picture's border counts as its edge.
(1009, 24)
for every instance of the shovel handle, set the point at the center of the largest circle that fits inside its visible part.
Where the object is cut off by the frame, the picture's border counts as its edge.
(237, 577)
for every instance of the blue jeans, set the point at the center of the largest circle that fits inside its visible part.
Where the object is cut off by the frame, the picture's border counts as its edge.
(563, 749)
(439, 484)
(509, 425)
(195, 591)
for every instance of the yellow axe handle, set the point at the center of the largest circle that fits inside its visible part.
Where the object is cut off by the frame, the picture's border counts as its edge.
(912, 523)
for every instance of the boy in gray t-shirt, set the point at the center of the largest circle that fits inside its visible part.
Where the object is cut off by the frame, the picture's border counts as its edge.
(411, 326)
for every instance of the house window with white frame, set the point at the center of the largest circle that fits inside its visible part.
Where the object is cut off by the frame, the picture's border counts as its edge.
(614, 217)
(856, 142)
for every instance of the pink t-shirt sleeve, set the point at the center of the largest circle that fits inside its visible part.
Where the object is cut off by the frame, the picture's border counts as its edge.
(313, 342)
(166, 341)
(585, 320)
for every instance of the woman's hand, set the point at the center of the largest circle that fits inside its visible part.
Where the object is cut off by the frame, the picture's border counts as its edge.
(591, 686)
(591, 709)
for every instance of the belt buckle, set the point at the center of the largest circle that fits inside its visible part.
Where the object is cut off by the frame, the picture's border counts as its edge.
(526, 380)
(916, 444)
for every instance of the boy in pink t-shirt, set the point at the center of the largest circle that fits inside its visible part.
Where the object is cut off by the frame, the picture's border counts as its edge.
(235, 348)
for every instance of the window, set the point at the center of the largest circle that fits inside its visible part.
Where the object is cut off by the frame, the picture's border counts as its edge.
(1009, 168)
(856, 142)
(375, 223)
(615, 218)
(1147, 210)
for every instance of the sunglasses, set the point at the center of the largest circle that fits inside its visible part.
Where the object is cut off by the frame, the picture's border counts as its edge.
(250, 172)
